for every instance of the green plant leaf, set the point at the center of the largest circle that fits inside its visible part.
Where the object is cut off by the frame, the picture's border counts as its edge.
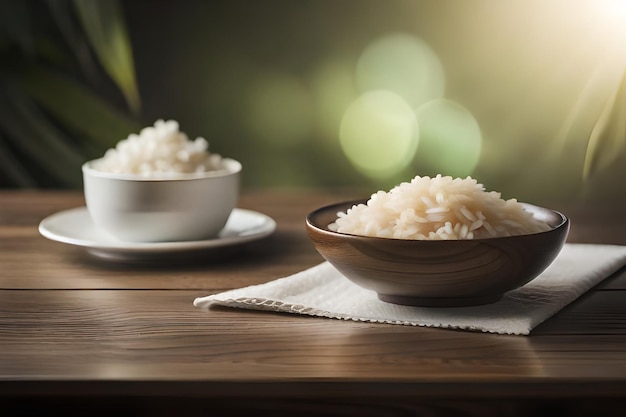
(62, 14)
(29, 131)
(12, 168)
(16, 22)
(104, 24)
(608, 136)
(77, 108)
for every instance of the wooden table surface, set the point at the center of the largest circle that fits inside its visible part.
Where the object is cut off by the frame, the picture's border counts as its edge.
(79, 331)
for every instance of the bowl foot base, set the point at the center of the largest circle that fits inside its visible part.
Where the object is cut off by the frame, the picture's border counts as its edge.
(439, 301)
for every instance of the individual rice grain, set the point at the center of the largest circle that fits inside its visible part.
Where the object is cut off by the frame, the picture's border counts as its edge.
(438, 208)
(159, 151)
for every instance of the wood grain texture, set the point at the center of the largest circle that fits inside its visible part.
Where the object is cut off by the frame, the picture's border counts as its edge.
(158, 335)
(77, 331)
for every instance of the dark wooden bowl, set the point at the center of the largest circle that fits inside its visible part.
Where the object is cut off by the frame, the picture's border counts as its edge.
(438, 273)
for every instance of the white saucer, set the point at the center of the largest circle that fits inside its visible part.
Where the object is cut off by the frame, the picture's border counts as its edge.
(75, 227)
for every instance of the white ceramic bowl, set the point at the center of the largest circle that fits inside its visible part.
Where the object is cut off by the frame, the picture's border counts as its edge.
(136, 209)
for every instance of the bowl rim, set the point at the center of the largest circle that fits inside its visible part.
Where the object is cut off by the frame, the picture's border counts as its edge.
(229, 167)
(564, 223)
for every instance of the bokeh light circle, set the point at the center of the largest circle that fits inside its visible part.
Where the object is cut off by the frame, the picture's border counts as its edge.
(379, 133)
(450, 139)
(404, 64)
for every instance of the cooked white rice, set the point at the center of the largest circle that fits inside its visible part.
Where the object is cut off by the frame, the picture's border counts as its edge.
(161, 150)
(438, 208)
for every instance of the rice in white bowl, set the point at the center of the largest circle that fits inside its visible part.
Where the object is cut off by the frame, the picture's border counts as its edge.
(438, 208)
(159, 151)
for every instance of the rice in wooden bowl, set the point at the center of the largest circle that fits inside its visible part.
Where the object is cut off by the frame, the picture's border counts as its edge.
(438, 241)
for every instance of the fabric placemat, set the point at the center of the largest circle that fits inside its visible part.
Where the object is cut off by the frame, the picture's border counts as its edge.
(323, 291)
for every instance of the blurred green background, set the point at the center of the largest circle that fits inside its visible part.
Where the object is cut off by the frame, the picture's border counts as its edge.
(527, 96)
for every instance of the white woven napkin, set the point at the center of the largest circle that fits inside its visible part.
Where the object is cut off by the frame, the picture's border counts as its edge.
(323, 291)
